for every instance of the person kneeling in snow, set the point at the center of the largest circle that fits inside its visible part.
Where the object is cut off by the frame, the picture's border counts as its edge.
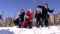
(19, 21)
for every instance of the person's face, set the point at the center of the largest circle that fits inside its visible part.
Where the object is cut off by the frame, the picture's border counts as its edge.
(46, 6)
(22, 11)
(37, 9)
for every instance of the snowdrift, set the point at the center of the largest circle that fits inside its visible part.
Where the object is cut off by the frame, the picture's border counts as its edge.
(34, 30)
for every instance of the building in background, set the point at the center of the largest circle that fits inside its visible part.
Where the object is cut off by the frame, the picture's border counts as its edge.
(57, 19)
(52, 20)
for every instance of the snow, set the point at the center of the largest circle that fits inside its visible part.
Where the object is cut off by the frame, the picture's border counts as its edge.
(34, 30)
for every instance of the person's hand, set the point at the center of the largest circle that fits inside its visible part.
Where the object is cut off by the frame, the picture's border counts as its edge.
(27, 17)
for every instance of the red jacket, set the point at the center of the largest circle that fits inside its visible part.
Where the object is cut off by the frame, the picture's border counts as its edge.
(30, 16)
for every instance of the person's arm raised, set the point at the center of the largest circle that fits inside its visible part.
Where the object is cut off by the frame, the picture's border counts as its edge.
(50, 10)
(39, 6)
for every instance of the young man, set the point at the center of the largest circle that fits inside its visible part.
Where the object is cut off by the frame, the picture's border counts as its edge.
(45, 11)
(38, 18)
(30, 18)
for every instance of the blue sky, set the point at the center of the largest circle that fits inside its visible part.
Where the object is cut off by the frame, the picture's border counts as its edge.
(12, 7)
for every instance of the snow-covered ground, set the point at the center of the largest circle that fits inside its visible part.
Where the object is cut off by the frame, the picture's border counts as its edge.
(34, 30)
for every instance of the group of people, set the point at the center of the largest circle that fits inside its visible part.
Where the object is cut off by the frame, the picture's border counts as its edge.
(41, 17)
(24, 22)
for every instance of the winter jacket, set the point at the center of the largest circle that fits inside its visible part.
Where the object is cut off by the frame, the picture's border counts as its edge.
(16, 22)
(30, 16)
(38, 16)
(45, 11)
(21, 16)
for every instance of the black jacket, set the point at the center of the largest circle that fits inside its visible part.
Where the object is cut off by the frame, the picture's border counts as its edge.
(21, 16)
(45, 11)
(16, 22)
(38, 16)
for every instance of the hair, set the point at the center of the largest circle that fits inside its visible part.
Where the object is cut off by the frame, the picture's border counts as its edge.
(46, 3)
(22, 9)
